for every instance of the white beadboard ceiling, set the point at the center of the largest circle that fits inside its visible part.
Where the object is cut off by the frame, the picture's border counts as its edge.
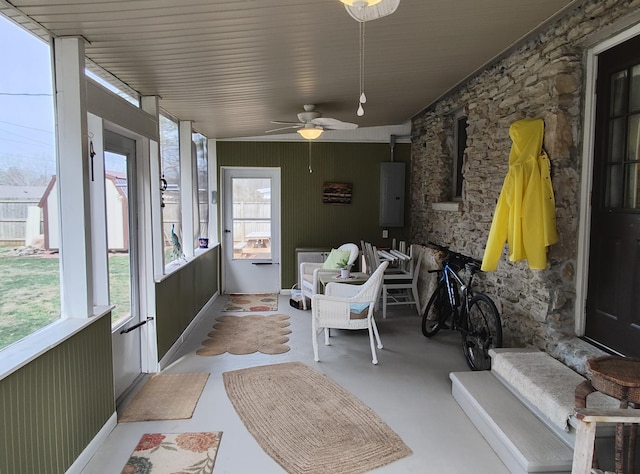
(232, 66)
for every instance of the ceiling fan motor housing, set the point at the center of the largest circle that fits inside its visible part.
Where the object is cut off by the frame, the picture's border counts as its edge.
(305, 117)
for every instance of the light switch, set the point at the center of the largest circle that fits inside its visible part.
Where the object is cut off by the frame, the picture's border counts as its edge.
(385, 234)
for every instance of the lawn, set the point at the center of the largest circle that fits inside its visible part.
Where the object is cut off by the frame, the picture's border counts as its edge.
(30, 293)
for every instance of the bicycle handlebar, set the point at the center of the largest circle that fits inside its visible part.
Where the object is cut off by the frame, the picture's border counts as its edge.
(457, 259)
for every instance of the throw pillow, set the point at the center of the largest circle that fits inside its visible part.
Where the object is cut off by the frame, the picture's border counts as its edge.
(358, 307)
(335, 259)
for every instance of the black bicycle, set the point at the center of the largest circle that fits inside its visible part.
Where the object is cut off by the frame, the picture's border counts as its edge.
(474, 315)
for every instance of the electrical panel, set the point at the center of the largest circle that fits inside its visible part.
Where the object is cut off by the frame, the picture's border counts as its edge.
(392, 194)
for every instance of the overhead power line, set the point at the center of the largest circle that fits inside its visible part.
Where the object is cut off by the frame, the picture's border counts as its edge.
(25, 94)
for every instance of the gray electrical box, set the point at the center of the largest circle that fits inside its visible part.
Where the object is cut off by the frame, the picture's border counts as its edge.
(392, 194)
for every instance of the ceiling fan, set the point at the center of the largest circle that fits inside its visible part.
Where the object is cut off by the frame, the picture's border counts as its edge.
(311, 124)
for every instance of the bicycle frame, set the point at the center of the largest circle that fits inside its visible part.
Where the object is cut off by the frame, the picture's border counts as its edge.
(475, 316)
(452, 279)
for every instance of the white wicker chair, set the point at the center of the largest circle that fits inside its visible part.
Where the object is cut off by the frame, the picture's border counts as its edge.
(334, 310)
(308, 278)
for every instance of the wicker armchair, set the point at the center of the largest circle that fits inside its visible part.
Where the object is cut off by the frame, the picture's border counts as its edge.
(308, 278)
(346, 306)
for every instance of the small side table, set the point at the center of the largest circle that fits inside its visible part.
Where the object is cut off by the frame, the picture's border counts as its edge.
(618, 377)
(356, 278)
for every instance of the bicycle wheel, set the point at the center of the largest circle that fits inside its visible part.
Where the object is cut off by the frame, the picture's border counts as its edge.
(437, 312)
(482, 330)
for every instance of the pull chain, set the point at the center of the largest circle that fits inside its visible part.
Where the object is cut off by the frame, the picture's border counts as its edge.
(363, 97)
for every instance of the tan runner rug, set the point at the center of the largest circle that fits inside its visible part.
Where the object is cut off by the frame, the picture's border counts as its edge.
(167, 453)
(241, 335)
(166, 397)
(308, 423)
(249, 302)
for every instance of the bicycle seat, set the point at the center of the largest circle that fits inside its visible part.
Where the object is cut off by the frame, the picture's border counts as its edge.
(473, 267)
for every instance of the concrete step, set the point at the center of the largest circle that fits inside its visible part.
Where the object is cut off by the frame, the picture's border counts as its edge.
(521, 440)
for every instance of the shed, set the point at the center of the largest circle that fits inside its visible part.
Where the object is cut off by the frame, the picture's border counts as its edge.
(117, 213)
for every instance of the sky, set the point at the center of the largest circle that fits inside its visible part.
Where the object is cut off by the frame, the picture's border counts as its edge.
(26, 103)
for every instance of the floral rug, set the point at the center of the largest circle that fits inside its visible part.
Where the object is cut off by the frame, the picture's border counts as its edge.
(252, 302)
(166, 453)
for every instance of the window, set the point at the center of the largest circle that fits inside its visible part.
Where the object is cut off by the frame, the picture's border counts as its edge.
(252, 219)
(460, 137)
(171, 210)
(29, 239)
(202, 226)
(111, 83)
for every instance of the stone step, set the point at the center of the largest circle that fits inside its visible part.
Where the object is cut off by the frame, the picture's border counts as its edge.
(523, 442)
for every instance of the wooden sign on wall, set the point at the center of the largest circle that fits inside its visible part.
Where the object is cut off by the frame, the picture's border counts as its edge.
(336, 193)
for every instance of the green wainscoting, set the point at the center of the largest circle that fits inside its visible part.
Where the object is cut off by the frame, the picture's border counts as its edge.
(306, 221)
(181, 295)
(55, 405)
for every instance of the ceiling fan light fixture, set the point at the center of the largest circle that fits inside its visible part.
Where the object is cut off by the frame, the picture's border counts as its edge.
(371, 11)
(360, 3)
(310, 133)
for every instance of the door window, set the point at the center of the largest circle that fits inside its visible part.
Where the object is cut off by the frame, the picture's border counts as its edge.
(623, 153)
(117, 204)
(251, 218)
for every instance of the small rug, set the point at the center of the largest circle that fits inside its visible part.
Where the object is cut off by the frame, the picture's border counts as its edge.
(255, 302)
(308, 423)
(167, 453)
(241, 335)
(166, 397)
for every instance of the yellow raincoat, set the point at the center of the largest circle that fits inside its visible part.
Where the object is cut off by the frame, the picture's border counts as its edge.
(525, 213)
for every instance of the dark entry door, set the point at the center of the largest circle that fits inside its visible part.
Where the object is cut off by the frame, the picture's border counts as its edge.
(613, 297)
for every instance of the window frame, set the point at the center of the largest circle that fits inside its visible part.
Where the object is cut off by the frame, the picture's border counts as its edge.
(171, 265)
(459, 155)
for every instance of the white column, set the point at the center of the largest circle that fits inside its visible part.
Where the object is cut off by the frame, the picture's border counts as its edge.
(214, 196)
(152, 247)
(73, 178)
(150, 104)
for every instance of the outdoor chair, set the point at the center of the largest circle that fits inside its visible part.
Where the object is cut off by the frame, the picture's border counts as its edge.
(346, 306)
(309, 271)
(400, 289)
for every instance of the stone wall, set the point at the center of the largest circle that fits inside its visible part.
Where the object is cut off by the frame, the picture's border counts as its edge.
(541, 78)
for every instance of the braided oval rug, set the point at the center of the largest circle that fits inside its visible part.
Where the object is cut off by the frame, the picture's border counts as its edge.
(308, 423)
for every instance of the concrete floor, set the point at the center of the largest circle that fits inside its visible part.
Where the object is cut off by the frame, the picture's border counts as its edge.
(409, 389)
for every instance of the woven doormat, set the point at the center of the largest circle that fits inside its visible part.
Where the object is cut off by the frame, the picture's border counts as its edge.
(166, 397)
(308, 423)
(167, 453)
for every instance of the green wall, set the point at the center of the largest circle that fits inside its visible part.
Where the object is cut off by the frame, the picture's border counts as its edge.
(181, 295)
(306, 221)
(55, 405)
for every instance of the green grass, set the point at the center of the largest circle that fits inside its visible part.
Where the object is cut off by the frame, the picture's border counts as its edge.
(119, 286)
(29, 296)
(30, 293)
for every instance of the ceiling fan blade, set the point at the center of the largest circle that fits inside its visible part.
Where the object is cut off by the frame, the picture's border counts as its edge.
(278, 122)
(334, 124)
(297, 125)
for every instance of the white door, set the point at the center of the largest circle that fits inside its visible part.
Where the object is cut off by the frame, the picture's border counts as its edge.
(251, 230)
(121, 205)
